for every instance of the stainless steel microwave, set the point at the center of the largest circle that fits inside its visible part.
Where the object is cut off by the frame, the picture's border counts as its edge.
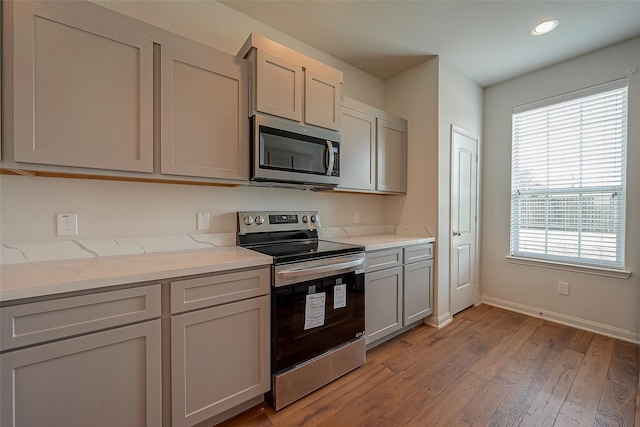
(284, 151)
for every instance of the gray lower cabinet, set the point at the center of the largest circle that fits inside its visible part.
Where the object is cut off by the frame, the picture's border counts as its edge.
(219, 359)
(398, 289)
(383, 303)
(418, 288)
(86, 360)
(219, 343)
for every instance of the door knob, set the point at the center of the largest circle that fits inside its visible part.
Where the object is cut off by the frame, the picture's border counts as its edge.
(455, 233)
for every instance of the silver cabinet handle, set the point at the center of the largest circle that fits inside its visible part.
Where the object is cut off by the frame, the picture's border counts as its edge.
(331, 158)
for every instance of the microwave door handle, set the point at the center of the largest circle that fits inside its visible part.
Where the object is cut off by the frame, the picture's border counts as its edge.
(301, 272)
(331, 158)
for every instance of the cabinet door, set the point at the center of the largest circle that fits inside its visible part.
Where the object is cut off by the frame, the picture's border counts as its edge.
(358, 150)
(322, 99)
(83, 92)
(418, 291)
(205, 131)
(392, 157)
(107, 379)
(279, 86)
(219, 359)
(383, 303)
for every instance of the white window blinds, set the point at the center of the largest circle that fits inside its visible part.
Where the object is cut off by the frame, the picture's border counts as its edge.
(568, 177)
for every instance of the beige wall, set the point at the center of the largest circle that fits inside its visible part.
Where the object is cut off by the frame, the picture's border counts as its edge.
(460, 105)
(432, 96)
(130, 209)
(119, 209)
(603, 304)
(226, 29)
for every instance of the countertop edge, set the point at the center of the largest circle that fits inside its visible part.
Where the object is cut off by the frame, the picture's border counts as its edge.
(383, 241)
(29, 291)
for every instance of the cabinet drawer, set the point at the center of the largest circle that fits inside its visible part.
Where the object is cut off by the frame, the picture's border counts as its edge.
(218, 289)
(418, 253)
(37, 322)
(380, 260)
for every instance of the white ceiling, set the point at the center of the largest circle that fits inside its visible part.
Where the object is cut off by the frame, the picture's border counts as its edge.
(489, 41)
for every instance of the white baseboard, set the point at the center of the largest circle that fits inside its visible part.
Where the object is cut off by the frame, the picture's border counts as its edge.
(563, 319)
(440, 321)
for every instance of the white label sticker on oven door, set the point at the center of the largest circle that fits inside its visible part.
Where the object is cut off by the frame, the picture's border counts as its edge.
(314, 310)
(339, 296)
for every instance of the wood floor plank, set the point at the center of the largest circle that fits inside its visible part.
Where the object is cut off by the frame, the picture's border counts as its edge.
(441, 410)
(581, 341)
(544, 410)
(489, 367)
(554, 340)
(478, 411)
(617, 406)
(502, 353)
(638, 407)
(624, 363)
(583, 398)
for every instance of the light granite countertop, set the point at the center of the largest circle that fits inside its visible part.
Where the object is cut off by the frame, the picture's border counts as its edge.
(31, 270)
(36, 279)
(382, 241)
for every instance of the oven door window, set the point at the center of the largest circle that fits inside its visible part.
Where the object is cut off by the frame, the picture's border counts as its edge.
(299, 335)
(287, 151)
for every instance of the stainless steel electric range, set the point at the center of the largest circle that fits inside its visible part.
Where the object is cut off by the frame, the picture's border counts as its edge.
(317, 301)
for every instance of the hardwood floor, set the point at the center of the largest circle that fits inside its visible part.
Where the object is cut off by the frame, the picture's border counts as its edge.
(489, 367)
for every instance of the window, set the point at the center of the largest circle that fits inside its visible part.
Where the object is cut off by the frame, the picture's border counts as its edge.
(568, 177)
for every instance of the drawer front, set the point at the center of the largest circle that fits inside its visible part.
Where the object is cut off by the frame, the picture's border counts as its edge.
(218, 289)
(32, 323)
(418, 253)
(379, 260)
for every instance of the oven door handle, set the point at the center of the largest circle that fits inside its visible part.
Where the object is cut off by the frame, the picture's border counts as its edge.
(301, 272)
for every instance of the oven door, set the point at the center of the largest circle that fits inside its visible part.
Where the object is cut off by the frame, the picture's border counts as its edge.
(310, 318)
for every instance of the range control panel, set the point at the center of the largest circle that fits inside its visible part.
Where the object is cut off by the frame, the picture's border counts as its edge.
(266, 221)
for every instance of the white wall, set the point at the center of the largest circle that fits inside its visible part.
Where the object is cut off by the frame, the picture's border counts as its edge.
(120, 209)
(607, 305)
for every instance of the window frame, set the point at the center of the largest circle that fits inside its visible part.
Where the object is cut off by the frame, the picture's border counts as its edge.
(614, 269)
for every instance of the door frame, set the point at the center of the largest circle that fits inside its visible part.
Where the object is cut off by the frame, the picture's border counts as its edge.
(456, 129)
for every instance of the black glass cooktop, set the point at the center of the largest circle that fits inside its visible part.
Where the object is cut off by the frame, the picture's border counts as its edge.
(294, 251)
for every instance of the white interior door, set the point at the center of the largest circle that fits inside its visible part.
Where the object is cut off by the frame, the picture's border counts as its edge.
(464, 197)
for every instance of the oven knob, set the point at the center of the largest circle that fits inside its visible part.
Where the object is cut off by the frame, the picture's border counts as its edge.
(259, 220)
(305, 219)
(314, 218)
(247, 220)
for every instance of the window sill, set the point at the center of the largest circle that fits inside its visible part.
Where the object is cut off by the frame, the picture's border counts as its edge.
(599, 271)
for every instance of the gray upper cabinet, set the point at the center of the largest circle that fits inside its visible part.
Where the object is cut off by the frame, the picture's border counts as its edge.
(392, 157)
(279, 86)
(288, 84)
(322, 98)
(358, 150)
(82, 92)
(374, 150)
(204, 130)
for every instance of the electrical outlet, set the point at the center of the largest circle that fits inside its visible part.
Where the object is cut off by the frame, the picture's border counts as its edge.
(203, 220)
(563, 288)
(356, 217)
(67, 224)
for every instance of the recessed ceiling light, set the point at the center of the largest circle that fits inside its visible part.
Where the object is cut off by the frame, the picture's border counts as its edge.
(545, 27)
